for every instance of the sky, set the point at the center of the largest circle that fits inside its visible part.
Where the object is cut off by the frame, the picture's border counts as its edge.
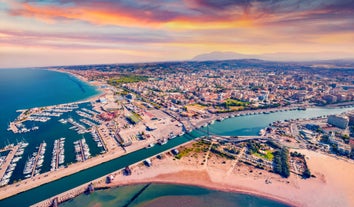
(72, 32)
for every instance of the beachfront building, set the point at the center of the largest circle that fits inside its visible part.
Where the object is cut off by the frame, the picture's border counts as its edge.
(338, 121)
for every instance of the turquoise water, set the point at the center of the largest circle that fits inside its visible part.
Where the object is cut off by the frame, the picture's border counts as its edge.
(27, 88)
(252, 124)
(48, 190)
(163, 195)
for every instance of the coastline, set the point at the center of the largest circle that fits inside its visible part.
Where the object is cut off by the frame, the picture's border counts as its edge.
(114, 155)
(48, 177)
(88, 99)
(214, 186)
(293, 191)
(171, 174)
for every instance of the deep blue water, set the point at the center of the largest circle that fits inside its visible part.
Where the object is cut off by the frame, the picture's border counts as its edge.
(24, 88)
(156, 195)
(27, 88)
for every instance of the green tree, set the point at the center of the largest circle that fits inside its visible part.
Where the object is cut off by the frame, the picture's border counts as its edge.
(306, 174)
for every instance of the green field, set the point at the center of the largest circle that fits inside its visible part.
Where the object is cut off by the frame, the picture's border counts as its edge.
(233, 102)
(269, 155)
(127, 79)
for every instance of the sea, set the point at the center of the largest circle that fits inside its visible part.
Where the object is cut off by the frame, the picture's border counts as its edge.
(26, 88)
(166, 195)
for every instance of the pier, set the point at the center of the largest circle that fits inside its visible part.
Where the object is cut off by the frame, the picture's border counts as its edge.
(13, 127)
(9, 158)
(63, 196)
(38, 156)
(57, 154)
(82, 150)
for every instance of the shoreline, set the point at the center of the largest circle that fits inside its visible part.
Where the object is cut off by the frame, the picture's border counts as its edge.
(216, 187)
(82, 79)
(69, 171)
(88, 99)
(115, 154)
(173, 178)
(292, 191)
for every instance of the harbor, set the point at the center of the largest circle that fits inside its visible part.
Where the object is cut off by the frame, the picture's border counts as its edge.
(120, 161)
(10, 161)
(58, 155)
(73, 120)
(35, 162)
(82, 150)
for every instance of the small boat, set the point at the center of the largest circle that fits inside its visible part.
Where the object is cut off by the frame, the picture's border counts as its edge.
(163, 141)
(150, 145)
(148, 162)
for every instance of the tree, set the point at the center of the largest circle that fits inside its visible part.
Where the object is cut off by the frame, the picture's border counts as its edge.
(306, 174)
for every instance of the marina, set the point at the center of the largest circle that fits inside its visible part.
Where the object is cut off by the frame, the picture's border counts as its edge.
(76, 126)
(9, 162)
(105, 168)
(58, 154)
(97, 138)
(35, 162)
(39, 115)
(82, 150)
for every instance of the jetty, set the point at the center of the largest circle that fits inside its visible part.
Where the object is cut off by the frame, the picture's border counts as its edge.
(82, 150)
(57, 154)
(38, 157)
(13, 127)
(8, 160)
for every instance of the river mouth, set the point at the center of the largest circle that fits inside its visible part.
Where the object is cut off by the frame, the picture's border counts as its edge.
(156, 195)
(56, 187)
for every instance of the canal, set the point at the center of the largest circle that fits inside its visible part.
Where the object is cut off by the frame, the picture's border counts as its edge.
(245, 125)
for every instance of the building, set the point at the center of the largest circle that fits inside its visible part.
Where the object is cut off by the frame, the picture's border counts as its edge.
(330, 99)
(338, 121)
(344, 149)
(351, 143)
(351, 119)
(309, 135)
(103, 100)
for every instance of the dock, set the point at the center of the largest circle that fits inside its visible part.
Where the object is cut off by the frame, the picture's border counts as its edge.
(13, 127)
(37, 158)
(58, 155)
(82, 150)
(9, 158)
(55, 155)
(63, 196)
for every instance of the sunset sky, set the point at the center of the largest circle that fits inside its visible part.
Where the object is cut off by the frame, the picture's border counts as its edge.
(66, 32)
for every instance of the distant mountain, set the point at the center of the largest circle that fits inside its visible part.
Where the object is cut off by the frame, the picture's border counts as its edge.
(222, 56)
(297, 57)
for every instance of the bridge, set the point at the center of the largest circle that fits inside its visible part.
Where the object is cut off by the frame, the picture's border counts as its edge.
(237, 139)
(234, 139)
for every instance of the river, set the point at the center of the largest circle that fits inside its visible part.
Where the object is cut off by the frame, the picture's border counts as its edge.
(245, 125)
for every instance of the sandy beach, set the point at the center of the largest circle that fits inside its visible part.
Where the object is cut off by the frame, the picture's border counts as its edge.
(333, 186)
(50, 176)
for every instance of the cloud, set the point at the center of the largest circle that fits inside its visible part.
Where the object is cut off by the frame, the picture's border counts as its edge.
(97, 12)
(177, 28)
(71, 40)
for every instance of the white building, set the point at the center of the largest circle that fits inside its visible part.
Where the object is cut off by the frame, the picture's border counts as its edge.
(338, 121)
